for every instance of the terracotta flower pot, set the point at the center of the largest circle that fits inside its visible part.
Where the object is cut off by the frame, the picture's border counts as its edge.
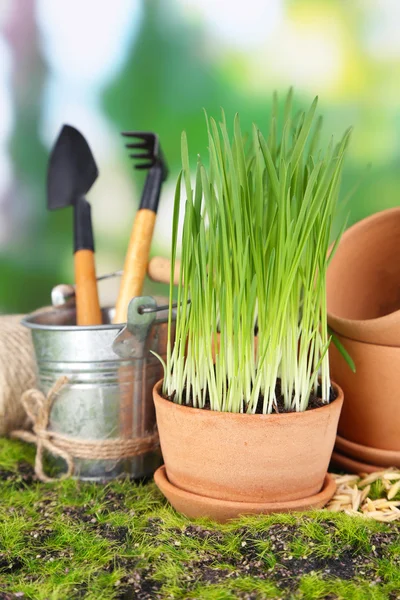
(369, 426)
(226, 458)
(363, 281)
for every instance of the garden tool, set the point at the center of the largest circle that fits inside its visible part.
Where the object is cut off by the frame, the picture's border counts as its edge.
(151, 158)
(71, 173)
(63, 295)
(158, 269)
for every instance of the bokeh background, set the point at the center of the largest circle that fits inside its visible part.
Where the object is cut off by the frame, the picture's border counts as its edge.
(115, 65)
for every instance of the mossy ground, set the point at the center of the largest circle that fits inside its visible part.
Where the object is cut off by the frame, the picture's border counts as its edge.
(72, 540)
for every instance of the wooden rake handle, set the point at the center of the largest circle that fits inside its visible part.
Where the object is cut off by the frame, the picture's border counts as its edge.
(136, 260)
(87, 300)
(159, 270)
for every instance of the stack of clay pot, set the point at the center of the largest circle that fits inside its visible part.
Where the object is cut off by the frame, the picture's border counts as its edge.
(364, 312)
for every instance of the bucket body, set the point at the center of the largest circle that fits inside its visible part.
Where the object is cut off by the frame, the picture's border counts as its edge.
(107, 396)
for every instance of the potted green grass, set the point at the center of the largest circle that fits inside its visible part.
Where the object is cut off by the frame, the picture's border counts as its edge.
(246, 412)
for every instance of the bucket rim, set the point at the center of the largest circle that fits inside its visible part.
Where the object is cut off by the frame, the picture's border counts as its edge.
(30, 321)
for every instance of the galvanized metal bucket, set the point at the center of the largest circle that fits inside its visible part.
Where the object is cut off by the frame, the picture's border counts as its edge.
(111, 373)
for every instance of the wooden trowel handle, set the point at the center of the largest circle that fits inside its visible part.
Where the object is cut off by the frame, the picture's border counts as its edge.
(136, 261)
(87, 300)
(159, 270)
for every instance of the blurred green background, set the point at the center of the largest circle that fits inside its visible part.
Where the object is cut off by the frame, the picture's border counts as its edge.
(105, 67)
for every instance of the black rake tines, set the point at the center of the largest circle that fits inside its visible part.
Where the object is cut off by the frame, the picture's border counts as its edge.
(147, 151)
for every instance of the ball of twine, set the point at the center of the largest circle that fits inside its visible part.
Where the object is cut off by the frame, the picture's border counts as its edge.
(17, 372)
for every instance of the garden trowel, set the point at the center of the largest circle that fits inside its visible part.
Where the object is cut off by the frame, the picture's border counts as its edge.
(71, 173)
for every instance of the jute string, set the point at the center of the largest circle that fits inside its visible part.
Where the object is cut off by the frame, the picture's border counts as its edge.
(38, 407)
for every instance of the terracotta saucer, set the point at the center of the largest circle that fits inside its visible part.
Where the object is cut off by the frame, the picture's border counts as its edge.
(373, 456)
(195, 506)
(352, 466)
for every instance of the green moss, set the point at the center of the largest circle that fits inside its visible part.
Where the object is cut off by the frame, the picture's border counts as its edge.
(73, 540)
(313, 587)
(259, 590)
(12, 453)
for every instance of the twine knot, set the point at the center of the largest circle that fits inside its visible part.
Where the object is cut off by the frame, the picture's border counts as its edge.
(38, 406)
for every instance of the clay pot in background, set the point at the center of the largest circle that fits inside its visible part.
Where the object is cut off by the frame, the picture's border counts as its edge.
(221, 465)
(363, 293)
(363, 281)
(369, 426)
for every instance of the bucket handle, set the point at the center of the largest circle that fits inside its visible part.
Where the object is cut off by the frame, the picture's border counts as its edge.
(130, 342)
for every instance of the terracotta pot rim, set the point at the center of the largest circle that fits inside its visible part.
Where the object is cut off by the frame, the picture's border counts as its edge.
(240, 416)
(385, 319)
(353, 465)
(211, 506)
(350, 339)
(367, 453)
(382, 215)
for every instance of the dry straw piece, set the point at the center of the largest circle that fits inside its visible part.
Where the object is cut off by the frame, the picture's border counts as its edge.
(352, 495)
(17, 372)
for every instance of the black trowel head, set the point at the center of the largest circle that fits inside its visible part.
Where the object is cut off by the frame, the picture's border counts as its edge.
(72, 169)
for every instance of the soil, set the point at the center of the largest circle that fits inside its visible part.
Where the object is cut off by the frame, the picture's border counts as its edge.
(314, 401)
(9, 566)
(26, 475)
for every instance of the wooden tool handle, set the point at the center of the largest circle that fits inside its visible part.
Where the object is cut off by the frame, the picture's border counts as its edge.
(87, 300)
(159, 269)
(136, 261)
